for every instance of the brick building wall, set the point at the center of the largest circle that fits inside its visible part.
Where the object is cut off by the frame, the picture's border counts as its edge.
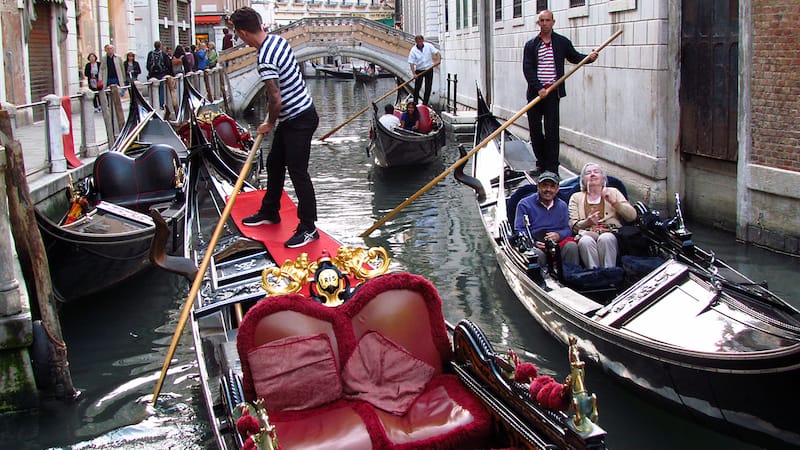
(776, 84)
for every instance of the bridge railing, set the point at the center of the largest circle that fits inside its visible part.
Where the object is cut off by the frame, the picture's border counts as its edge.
(335, 33)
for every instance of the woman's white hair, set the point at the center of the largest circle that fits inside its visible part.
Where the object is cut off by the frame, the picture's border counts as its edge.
(583, 175)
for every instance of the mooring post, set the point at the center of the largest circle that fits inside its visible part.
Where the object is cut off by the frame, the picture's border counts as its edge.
(17, 383)
(31, 252)
(89, 145)
(58, 163)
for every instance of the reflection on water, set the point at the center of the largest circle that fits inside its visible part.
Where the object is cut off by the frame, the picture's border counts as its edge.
(117, 340)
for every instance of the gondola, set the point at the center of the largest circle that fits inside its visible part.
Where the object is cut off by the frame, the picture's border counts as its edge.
(231, 139)
(679, 325)
(336, 73)
(399, 147)
(97, 231)
(259, 297)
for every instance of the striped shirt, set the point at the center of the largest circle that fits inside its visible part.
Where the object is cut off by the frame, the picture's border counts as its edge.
(546, 69)
(276, 60)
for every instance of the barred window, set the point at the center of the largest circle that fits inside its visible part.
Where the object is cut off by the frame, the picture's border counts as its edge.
(517, 8)
(498, 10)
(541, 5)
(574, 3)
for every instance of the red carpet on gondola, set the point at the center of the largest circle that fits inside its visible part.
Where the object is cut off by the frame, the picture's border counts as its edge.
(274, 236)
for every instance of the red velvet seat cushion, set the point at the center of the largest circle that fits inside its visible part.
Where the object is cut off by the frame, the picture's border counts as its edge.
(285, 316)
(425, 124)
(384, 375)
(445, 416)
(295, 373)
(336, 426)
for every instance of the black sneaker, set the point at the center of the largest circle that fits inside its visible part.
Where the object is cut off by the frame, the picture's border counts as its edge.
(260, 218)
(302, 237)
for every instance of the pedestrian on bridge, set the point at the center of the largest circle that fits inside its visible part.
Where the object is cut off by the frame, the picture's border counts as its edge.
(423, 56)
(291, 112)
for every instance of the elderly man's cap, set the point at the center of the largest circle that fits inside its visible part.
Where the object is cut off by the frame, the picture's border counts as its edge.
(548, 176)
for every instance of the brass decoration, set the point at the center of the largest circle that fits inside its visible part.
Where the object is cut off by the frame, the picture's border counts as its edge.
(584, 403)
(330, 285)
(180, 175)
(286, 279)
(208, 116)
(266, 438)
(362, 263)
(358, 263)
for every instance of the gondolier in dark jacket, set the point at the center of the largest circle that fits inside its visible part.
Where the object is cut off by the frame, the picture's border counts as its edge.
(543, 64)
(291, 112)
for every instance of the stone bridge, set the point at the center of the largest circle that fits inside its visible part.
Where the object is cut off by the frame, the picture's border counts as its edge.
(318, 37)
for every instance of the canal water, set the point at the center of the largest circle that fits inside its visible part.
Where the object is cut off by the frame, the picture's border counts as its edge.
(117, 340)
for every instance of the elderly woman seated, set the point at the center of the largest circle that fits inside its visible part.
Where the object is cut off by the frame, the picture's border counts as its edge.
(594, 213)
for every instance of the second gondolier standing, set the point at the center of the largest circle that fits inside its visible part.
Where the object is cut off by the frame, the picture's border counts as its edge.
(291, 112)
(542, 65)
(423, 56)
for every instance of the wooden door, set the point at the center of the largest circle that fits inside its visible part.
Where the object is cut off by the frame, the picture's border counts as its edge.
(709, 78)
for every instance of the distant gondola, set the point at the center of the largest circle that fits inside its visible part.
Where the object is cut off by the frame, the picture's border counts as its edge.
(673, 321)
(399, 147)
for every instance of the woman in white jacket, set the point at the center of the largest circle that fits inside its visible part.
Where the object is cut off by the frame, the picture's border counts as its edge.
(594, 213)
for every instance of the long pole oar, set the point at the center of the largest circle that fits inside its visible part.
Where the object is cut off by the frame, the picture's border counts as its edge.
(198, 279)
(330, 133)
(488, 139)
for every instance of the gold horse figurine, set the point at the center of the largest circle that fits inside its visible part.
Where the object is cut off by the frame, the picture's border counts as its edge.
(584, 403)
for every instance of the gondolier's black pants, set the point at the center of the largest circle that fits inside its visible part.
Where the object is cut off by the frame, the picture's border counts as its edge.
(291, 149)
(545, 145)
(428, 77)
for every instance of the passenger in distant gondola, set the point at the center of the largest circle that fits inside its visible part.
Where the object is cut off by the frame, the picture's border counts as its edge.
(388, 119)
(547, 218)
(594, 213)
(410, 118)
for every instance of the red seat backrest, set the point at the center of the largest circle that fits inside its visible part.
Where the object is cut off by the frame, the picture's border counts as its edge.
(226, 128)
(425, 124)
(397, 305)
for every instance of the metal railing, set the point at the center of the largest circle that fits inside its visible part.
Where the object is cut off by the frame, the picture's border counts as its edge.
(40, 126)
(450, 101)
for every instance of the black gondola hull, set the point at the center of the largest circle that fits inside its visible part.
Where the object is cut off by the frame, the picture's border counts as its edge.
(725, 356)
(393, 148)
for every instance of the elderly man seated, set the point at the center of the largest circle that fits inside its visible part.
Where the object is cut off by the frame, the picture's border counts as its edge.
(543, 216)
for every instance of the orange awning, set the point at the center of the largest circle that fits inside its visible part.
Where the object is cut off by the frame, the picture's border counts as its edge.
(207, 20)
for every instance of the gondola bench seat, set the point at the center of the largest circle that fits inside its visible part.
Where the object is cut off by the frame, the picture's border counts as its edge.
(368, 374)
(137, 183)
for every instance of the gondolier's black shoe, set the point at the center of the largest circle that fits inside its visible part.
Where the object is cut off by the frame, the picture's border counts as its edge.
(301, 237)
(260, 218)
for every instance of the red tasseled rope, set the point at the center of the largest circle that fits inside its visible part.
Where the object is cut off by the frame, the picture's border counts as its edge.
(525, 372)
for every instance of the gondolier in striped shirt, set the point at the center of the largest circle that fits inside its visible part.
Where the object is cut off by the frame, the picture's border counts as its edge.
(291, 112)
(543, 64)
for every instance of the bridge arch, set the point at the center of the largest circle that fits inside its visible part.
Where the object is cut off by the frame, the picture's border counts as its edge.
(318, 37)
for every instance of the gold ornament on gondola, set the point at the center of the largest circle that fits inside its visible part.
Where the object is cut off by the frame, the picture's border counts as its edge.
(286, 279)
(359, 263)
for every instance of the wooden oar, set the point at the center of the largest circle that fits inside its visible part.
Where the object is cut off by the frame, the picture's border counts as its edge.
(488, 139)
(198, 279)
(362, 111)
